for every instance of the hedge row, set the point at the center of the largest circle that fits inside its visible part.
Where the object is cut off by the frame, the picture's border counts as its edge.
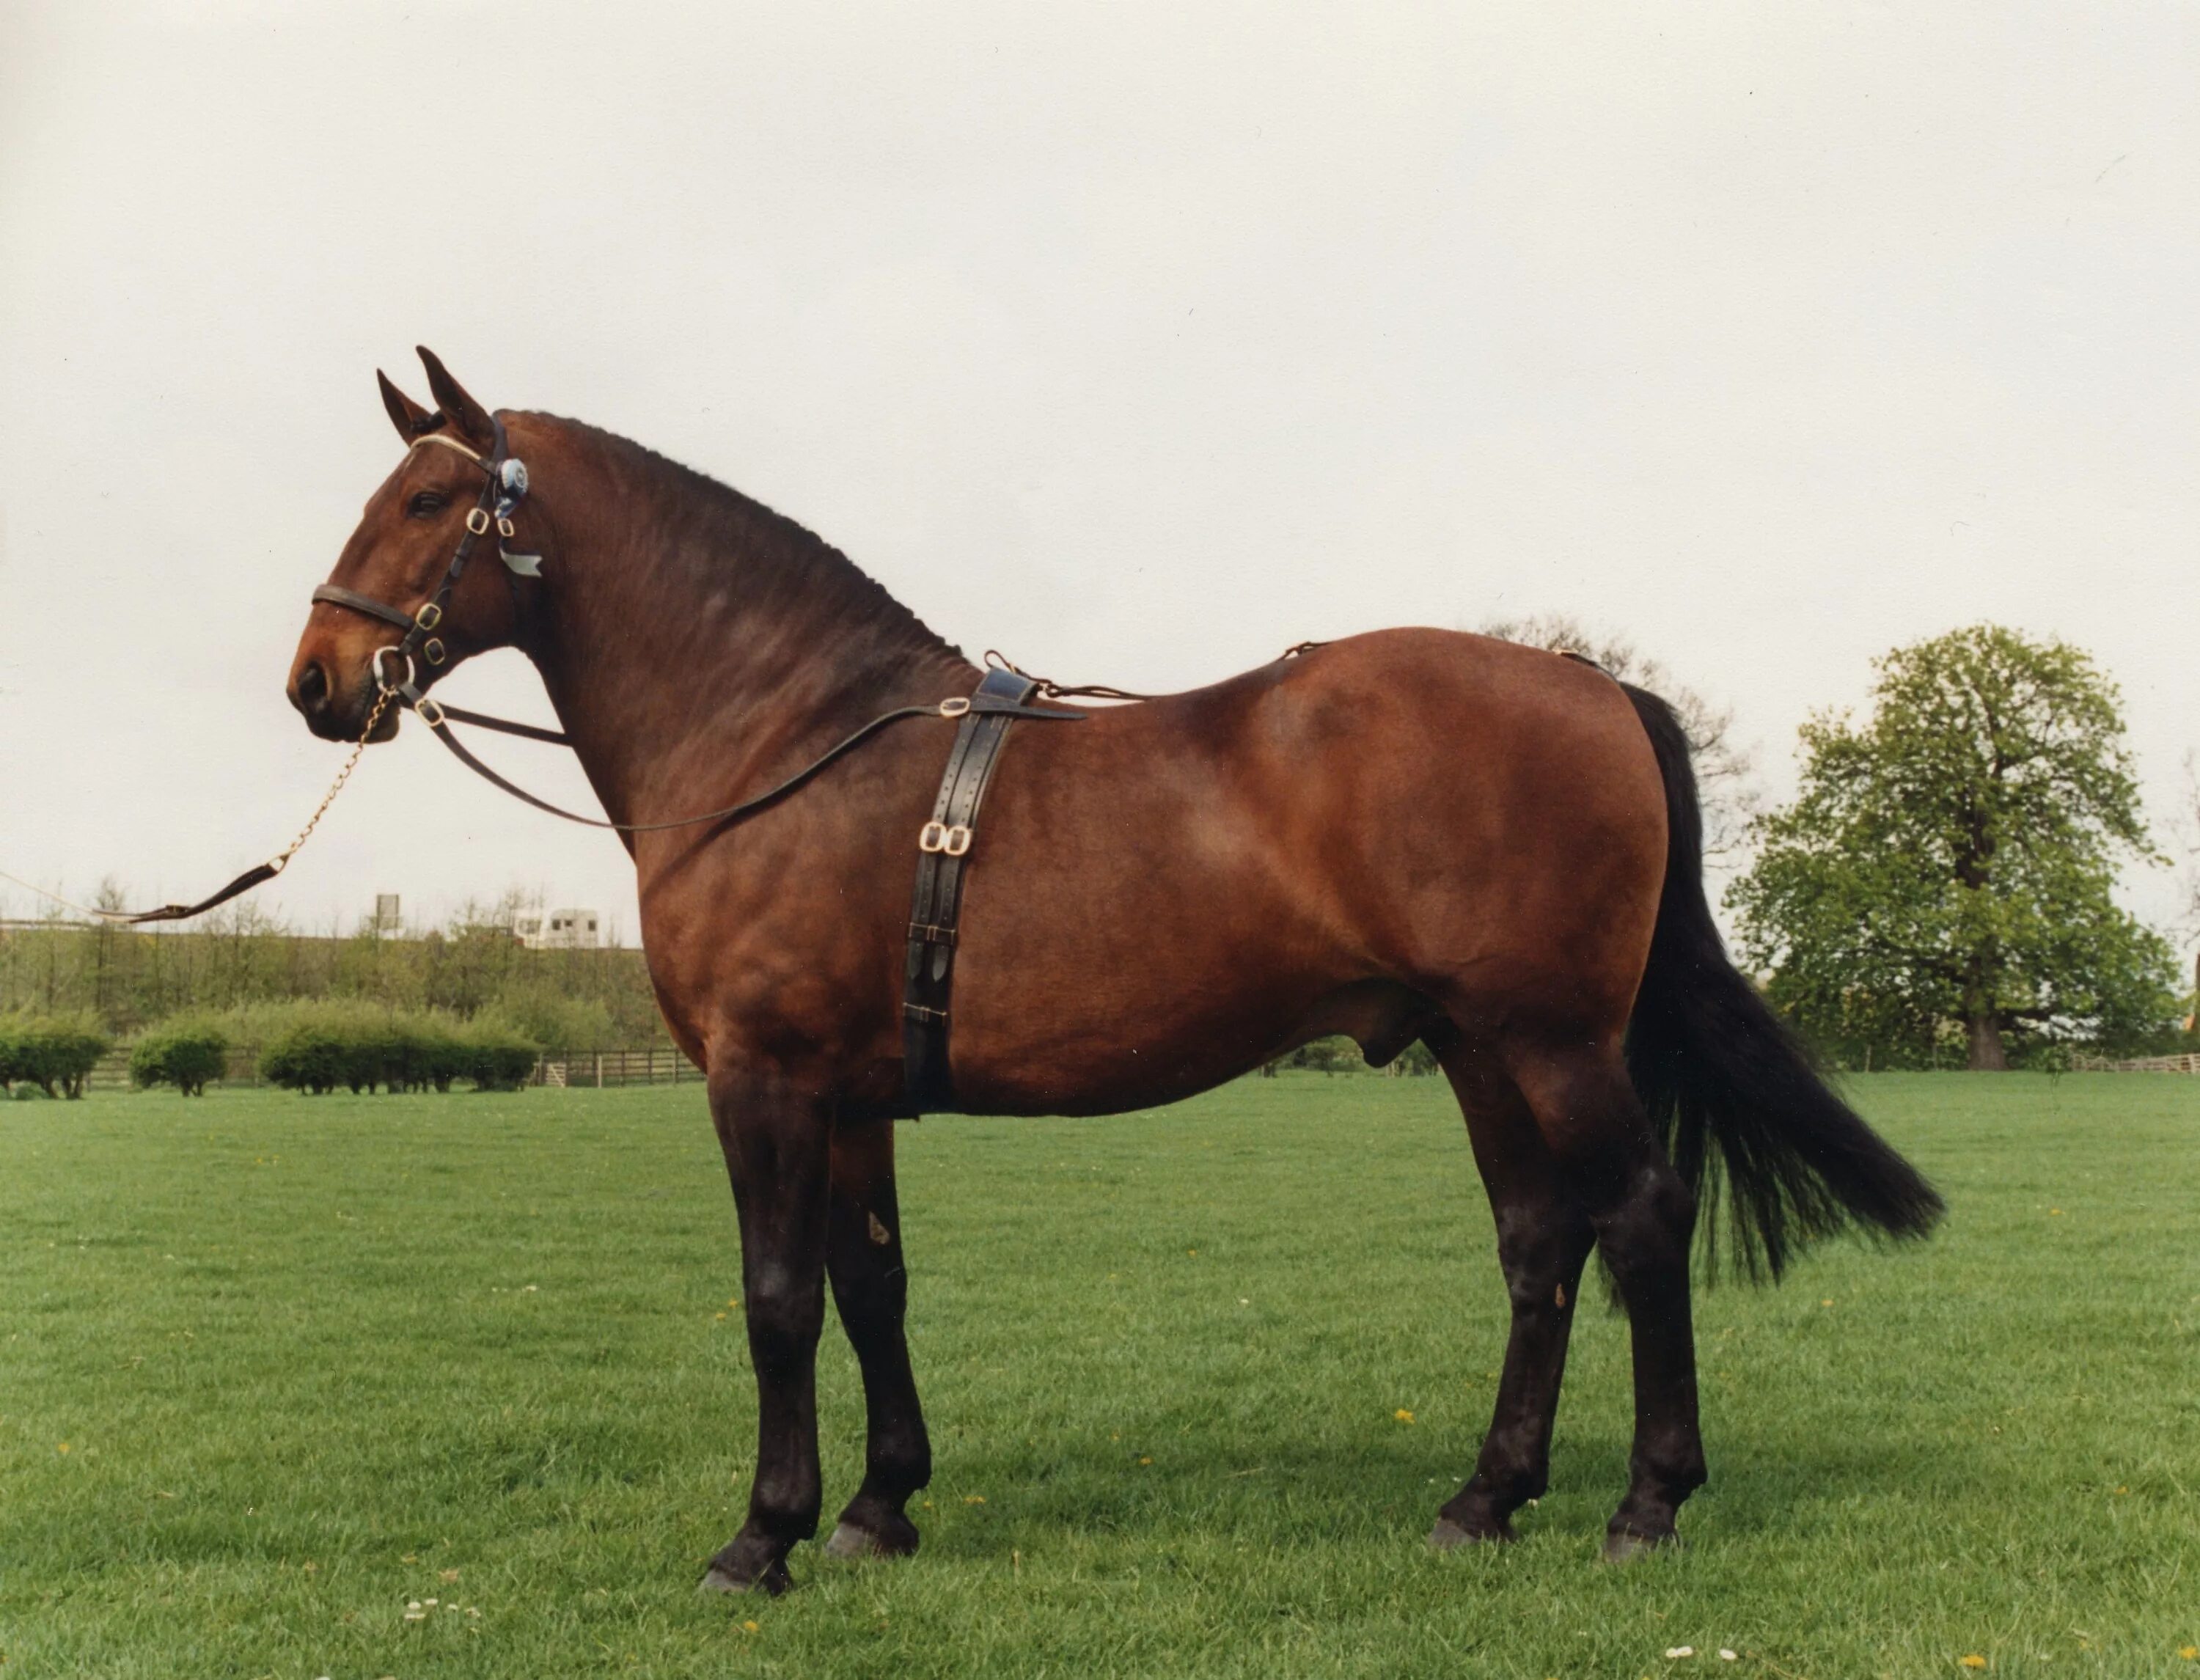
(185, 1054)
(363, 1049)
(53, 1052)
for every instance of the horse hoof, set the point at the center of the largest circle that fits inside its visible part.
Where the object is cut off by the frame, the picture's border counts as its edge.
(1623, 1546)
(852, 1540)
(1448, 1536)
(720, 1579)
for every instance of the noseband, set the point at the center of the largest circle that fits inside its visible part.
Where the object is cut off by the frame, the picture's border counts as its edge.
(504, 487)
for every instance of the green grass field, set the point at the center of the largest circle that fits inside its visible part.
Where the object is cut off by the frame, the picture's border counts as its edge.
(274, 1369)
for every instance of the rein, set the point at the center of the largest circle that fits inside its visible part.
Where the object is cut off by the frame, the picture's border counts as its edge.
(502, 494)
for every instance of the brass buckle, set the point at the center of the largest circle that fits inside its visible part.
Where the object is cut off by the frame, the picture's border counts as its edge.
(954, 708)
(432, 650)
(429, 712)
(429, 616)
(504, 529)
(937, 836)
(477, 520)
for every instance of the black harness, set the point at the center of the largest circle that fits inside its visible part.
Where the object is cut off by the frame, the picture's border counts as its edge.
(943, 845)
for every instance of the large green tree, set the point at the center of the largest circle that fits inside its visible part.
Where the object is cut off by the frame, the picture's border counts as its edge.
(1946, 874)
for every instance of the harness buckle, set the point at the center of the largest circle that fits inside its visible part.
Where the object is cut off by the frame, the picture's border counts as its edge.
(477, 520)
(504, 529)
(429, 712)
(429, 616)
(432, 650)
(954, 708)
(937, 836)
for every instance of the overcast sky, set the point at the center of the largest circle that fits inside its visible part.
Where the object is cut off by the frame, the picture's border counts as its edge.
(1137, 341)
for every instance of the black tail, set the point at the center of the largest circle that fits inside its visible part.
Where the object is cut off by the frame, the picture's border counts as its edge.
(1714, 1065)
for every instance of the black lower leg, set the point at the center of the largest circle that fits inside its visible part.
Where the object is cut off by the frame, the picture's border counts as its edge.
(1543, 1246)
(1542, 1238)
(1646, 1239)
(776, 1148)
(870, 1288)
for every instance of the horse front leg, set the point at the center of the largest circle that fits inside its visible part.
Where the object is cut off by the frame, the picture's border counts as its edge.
(870, 1287)
(777, 1144)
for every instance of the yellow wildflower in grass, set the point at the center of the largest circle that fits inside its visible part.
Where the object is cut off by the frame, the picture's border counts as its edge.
(61, 1446)
(974, 1499)
(2189, 1653)
(1974, 1661)
(1145, 1460)
(1402, 1415)
(748, 1627)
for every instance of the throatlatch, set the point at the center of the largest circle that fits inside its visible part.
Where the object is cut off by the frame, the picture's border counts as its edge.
(943, 847)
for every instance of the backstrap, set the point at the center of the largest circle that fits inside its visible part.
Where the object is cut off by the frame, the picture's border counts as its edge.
(943, 852)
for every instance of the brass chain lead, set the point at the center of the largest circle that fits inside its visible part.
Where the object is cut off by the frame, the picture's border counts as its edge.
(373, 717)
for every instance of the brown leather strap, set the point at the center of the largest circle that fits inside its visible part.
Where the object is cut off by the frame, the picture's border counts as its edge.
(244, 883)
(944, 848)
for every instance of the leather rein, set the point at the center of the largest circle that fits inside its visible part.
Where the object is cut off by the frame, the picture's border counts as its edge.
(505, 488)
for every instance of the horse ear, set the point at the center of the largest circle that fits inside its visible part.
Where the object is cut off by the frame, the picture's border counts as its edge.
(410, 418)
(462, 411)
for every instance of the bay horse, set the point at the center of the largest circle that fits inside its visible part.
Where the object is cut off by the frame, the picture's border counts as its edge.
(1414, 834)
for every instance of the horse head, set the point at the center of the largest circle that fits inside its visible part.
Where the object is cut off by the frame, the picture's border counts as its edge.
(403, 605)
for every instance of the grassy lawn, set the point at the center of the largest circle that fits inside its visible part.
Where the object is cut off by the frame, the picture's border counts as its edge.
(272, 1369)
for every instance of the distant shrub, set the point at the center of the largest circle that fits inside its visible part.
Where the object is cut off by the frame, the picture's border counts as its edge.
(363, 1048)
(307, 1057)
(1339, 1054)
(54, 1052)
(499, 1058)
(185, 1054)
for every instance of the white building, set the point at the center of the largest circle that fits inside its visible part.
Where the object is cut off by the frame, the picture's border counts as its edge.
(556, 930)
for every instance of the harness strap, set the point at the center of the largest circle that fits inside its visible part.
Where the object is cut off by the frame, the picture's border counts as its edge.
(935, 908)
(439, 718)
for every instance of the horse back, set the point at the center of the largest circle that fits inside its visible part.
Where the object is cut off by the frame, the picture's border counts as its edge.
(1403, 823)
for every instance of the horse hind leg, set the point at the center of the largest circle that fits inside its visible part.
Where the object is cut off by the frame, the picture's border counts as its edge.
(870, 1288)
(1644, 1216)
(1543, 1238)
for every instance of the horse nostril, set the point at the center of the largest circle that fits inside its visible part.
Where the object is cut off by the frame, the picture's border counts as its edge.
(313, 686)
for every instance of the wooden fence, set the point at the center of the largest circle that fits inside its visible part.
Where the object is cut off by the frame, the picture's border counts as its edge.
(597, 1068)
(2144, 1064)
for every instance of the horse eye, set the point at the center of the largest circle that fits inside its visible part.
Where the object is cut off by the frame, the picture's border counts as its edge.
(425, 504)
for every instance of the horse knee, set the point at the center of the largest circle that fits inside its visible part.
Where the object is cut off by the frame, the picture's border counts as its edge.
(785, 1314)
(1649, 1228)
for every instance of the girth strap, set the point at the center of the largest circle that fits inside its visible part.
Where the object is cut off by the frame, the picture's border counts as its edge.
(935, 908)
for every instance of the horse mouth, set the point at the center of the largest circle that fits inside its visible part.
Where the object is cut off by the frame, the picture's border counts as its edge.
(332, 722)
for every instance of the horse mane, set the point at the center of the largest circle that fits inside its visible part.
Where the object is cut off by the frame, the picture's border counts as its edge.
(785, 565)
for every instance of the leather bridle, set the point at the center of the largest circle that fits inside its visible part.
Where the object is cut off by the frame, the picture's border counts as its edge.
(504, 487)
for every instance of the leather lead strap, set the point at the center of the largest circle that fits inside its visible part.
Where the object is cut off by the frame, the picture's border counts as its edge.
(935, 907)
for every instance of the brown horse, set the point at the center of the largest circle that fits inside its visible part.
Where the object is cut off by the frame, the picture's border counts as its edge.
(1413, 833)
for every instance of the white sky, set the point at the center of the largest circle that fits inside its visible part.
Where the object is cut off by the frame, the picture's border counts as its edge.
(1139, 341)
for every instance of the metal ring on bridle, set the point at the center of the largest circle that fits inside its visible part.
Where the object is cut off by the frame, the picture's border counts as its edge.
(383, 683)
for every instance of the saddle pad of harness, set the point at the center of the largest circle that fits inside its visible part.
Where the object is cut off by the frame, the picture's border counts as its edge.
(942, 853)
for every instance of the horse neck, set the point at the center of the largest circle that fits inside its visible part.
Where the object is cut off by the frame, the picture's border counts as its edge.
(695, 645)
